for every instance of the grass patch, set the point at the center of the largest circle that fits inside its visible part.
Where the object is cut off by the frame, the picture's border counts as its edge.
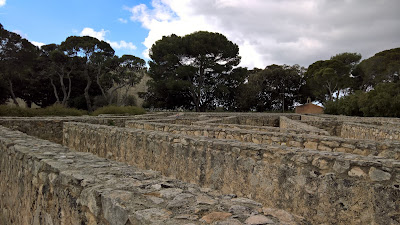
(54, 110)
(120, 110)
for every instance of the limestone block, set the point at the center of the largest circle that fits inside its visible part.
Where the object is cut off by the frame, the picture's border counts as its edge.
(378, 175)
(357, 172)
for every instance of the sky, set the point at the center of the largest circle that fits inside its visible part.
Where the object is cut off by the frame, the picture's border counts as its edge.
(266, 31)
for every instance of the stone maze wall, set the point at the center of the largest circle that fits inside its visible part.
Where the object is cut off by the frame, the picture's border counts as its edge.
(45, 183)
(222, 168)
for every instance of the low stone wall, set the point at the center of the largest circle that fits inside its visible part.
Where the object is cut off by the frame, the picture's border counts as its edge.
(45, 183)
(370, 132)
(314, 142)
(286, 123)
(271, 120)
(50, 128)
(325, 187)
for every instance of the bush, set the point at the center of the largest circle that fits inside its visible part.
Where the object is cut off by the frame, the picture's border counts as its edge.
(6, 110)
(383, 101)
(59, 110)
(55, 110)
(122, 110)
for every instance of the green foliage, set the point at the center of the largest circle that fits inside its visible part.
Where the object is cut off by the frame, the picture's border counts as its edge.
(194, 71)
(267, 89)
(120, 110)
(383, 101)
(59, 110)
(382, 67)
(327, 78)
(55, 110)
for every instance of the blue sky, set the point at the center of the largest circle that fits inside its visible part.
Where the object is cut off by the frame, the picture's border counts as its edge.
(52, 21)
(267, 31)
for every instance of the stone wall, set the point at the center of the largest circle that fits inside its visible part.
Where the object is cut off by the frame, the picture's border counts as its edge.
(370, 132)
(50, 128)
(325, 187)
(47, 184)
(286, 123)
(314, 142)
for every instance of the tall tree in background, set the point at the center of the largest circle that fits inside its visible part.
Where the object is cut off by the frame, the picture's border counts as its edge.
(383, 67)
(124, 71)
(16, 59)
(94, 53)
(329, 78)
(188, 70)
(57, 67)
(274, 88)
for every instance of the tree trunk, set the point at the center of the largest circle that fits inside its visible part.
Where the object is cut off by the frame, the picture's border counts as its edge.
(10, 86)
(63, 88)
(86, 93)
(98, 83)
(65, 100)
(55, 90)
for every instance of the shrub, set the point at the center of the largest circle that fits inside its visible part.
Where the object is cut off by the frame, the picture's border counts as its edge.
(6, 110)
(55, 110)
(122, 110)
(59, 110)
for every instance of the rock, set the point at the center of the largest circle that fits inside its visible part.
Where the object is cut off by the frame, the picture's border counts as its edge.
(229, 222)
(378, 175)
(205, 200)
(170, 192)
(281, 215)
(246, 201)
(181, 200)
(356, 172)
(149, 216)
(258, 219)
(341, 166)
(215, 216)
(187, 217)
(239, 209)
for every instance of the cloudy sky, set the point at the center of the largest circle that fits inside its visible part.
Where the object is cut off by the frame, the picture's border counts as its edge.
(267, 31)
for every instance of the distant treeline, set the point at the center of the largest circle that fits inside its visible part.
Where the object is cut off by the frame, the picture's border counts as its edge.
(198, 72)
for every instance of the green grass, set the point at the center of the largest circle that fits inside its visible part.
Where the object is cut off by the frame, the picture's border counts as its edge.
(55, 110)
(120, 110)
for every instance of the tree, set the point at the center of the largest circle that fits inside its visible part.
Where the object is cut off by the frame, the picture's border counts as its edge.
(16, 59)
(189, 70)
(276, 87)
(124, 71)
(57, 67)
(94, 53)
(382, 67)
(383, 100)
(327, 78)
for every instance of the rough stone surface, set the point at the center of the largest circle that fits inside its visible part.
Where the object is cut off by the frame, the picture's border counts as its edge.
(225, 157)
(313, 184)
(39, 186)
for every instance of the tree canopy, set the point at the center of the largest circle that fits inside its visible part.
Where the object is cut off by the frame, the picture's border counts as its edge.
(188, 71)
(327, 79)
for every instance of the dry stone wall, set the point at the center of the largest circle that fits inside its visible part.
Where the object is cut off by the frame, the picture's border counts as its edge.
(370, 132)
(286, 123)
(46, 183)
(226, 159)
(325, 187)
(50, 128)
(314, 142)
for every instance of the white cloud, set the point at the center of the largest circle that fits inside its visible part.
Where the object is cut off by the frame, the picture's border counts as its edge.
(122, 45)
(122, 20)
(39, 44)
(87, 31)
(279, 31)
(92, 33)
(2, 3)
